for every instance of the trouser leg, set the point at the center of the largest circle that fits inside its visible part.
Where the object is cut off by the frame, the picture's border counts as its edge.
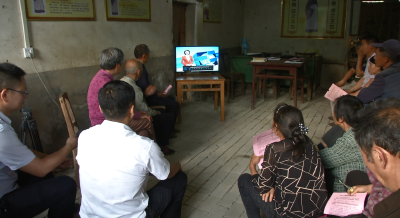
(332, 135)
(252, 200)
(163, 125)
(56, 194)
(170, 104)
(357, 177)
(165, 198)
(143, 127)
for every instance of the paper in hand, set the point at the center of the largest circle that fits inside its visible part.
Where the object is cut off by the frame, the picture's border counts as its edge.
(261, 141)
(341, 204)
(334, 92)
(167, 90)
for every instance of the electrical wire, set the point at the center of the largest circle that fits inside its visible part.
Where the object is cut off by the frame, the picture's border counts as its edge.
(43, 82)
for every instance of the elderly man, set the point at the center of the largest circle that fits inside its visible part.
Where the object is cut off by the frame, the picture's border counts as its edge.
(378, 135)
(117, 187)
(386, 83)
(163, 122)
(154, 98)
(34, 189)
(111, 65)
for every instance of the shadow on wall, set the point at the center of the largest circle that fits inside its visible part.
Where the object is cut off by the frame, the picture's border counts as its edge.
(75, 81)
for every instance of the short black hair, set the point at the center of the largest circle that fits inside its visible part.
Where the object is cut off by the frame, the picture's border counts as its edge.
(184, 52)
(380, 125)
(110, 57)
(115, 99)
(141, 50)
(392, 58)
(347, 107)
(370, 38)
(10, 75)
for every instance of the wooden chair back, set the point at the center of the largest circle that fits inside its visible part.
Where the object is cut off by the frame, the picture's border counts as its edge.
(72, 126)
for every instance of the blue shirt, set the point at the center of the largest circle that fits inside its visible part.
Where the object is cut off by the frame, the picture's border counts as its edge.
(143, 81)
(13, 155)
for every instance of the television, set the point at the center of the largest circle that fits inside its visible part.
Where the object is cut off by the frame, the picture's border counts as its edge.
(197, 59)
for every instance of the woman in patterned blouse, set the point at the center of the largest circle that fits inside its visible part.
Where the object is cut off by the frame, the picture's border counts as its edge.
(291, 182)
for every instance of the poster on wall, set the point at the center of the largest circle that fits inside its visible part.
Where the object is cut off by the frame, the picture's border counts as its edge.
(60, 10)
(212, 11)
(128, 10)
(313, 18)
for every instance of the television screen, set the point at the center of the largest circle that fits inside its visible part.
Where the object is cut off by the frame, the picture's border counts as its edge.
(197, 58)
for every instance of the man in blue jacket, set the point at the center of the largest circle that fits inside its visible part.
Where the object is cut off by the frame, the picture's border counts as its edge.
(387, 82)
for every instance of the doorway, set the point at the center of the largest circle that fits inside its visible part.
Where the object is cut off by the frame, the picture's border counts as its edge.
(178, 26)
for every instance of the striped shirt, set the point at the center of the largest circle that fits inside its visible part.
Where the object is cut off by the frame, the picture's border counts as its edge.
(13, 155)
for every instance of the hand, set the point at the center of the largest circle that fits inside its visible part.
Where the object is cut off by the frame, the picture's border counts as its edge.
(161, 94)
(269, 196)
(72, 142)
(360, 54)
(150, 90)
(65, 165)
(360, 189)
(324, 144)
(255, 159)
(347, 90)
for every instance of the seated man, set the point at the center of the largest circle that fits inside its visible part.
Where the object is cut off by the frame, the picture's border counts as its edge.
(115, 164)
(34, 195)
(386, 83)
(367, 50)
(358, 74)
(111, 65)
(153, 98)
(163, 122)
(378, 135)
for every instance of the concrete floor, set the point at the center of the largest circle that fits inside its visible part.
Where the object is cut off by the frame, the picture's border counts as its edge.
(215, 153)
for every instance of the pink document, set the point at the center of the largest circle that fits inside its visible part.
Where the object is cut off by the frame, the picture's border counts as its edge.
(167, 90)
(334, 92)
(261, 141)
(341, 204)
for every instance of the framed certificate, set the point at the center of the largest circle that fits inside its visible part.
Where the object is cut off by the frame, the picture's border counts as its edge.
(128, 10)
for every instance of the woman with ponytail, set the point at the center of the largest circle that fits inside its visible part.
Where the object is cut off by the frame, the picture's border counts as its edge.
(291, 181)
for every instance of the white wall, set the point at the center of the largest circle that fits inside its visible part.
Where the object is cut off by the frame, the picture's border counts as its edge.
(70, 44)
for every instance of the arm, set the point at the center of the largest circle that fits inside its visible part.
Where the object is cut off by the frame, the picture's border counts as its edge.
(183, 61)
(356, 87)
(346, 77)
(264, 182)
(39, 154)
(174, 169)
(141, 104)
(41, 167)
(339, 154)
(369, 82)
(374, 90)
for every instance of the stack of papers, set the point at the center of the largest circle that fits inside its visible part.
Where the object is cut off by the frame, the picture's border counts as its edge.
(257, 59)
(261, 141)
(293, 62)
(273, 59)
(334, 92)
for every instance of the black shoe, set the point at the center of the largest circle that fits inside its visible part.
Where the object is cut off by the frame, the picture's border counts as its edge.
(167, 151)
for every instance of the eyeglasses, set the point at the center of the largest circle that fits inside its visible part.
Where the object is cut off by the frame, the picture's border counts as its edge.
(25, 93)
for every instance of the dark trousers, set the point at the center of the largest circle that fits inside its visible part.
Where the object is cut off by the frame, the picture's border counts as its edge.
(165, 198)
(35, 195)
(163, 126)
(252, 200)
(170, 104)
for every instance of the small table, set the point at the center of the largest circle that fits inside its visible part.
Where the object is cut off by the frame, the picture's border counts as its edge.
(201, 79)
(275, 65)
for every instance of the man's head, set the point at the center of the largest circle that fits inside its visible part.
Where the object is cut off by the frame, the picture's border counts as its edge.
(378, 135)
(117, 100)
(366, 44)
(133, 68)
(13, 88)
(387, 53)
(111, 60)
(142, 53)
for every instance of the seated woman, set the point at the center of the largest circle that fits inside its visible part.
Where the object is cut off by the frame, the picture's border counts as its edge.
(344, 156)
(291, 183)
(373, 70)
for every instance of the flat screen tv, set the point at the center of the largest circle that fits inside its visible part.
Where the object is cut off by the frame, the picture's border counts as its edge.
(197, 59)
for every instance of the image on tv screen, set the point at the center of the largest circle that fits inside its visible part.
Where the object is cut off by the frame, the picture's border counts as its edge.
(197, 58)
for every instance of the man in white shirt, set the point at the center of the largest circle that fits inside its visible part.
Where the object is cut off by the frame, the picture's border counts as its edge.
(34, 195)
(115, 163)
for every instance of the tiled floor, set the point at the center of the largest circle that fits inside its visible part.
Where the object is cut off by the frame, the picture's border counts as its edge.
(215, 153)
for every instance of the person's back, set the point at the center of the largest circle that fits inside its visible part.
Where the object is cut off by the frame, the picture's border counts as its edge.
(392, 81)
(114, 163)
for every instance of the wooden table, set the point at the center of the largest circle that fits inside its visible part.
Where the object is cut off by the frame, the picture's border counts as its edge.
(275, 65)
(201, 79)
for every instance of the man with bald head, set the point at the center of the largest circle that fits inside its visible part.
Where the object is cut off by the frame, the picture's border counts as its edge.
(163, 122)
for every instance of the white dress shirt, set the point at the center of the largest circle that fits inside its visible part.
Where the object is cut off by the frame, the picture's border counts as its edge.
(114, 165)
(367, 75)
